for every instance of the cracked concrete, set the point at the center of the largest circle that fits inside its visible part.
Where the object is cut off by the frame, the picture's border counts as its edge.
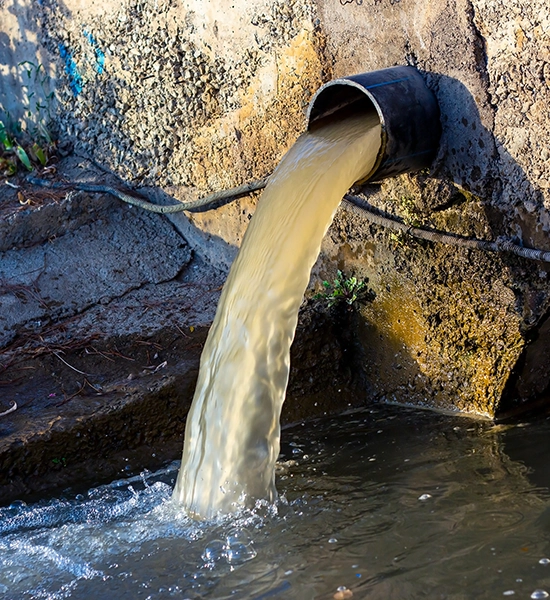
(120, 251)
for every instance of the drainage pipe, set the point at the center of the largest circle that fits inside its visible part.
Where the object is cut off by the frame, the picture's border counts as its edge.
(407, 109)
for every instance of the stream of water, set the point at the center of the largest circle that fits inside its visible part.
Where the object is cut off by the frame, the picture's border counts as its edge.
(385, 503)
(232, 431)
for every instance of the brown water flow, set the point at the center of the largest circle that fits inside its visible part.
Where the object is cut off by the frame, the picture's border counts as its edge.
(232, 433)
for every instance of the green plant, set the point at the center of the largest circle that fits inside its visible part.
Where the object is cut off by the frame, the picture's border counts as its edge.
(409, 211)
(28, 142)
(10, 150)
(344, 290)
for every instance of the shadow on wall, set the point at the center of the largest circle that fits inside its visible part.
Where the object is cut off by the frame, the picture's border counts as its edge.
(27, 102)
(471, 156)
(452, 327)
(145, 91)
(39, 72)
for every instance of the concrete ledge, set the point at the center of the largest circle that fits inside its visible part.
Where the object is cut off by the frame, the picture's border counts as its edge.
(107, 408)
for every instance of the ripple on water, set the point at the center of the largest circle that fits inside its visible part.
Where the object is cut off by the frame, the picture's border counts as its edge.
(498, 520)
(344, 525)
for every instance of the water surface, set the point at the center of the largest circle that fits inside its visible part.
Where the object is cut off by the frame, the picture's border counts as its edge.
(387, 503)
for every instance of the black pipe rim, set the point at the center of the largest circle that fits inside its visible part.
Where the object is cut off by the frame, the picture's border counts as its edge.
(365, 93)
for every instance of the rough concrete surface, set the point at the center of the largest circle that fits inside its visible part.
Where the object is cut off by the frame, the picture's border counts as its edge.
(462, 338)
(179, 99)
(93, 264)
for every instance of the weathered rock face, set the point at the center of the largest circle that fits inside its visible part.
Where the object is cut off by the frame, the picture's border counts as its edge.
(197, 96)
(452, 327)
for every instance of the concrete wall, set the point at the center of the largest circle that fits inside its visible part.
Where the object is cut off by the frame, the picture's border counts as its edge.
(196, 96)
(449, 326)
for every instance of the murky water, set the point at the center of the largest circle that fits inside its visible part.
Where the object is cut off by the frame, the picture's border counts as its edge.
(232, 431)
(386, 503)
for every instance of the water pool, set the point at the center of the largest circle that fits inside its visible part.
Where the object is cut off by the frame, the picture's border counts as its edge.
(385, 503)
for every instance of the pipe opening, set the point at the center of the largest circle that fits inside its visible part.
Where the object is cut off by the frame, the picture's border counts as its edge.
(337, 101)
(407, 110)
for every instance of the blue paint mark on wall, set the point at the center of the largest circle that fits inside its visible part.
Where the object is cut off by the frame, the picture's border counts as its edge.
(75, 78)
(99, 54)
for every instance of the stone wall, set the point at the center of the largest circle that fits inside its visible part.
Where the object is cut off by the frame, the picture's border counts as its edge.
(200, 95)
(197, 96)
(453, 327)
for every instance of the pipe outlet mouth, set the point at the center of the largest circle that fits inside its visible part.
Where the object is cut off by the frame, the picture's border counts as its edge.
(407, 109)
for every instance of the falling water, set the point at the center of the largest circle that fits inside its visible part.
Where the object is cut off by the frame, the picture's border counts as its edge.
(232, 433)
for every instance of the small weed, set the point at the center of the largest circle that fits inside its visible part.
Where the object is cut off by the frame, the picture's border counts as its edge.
(344, 291)
(409, 210)
(10, 151)
(28, 143)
